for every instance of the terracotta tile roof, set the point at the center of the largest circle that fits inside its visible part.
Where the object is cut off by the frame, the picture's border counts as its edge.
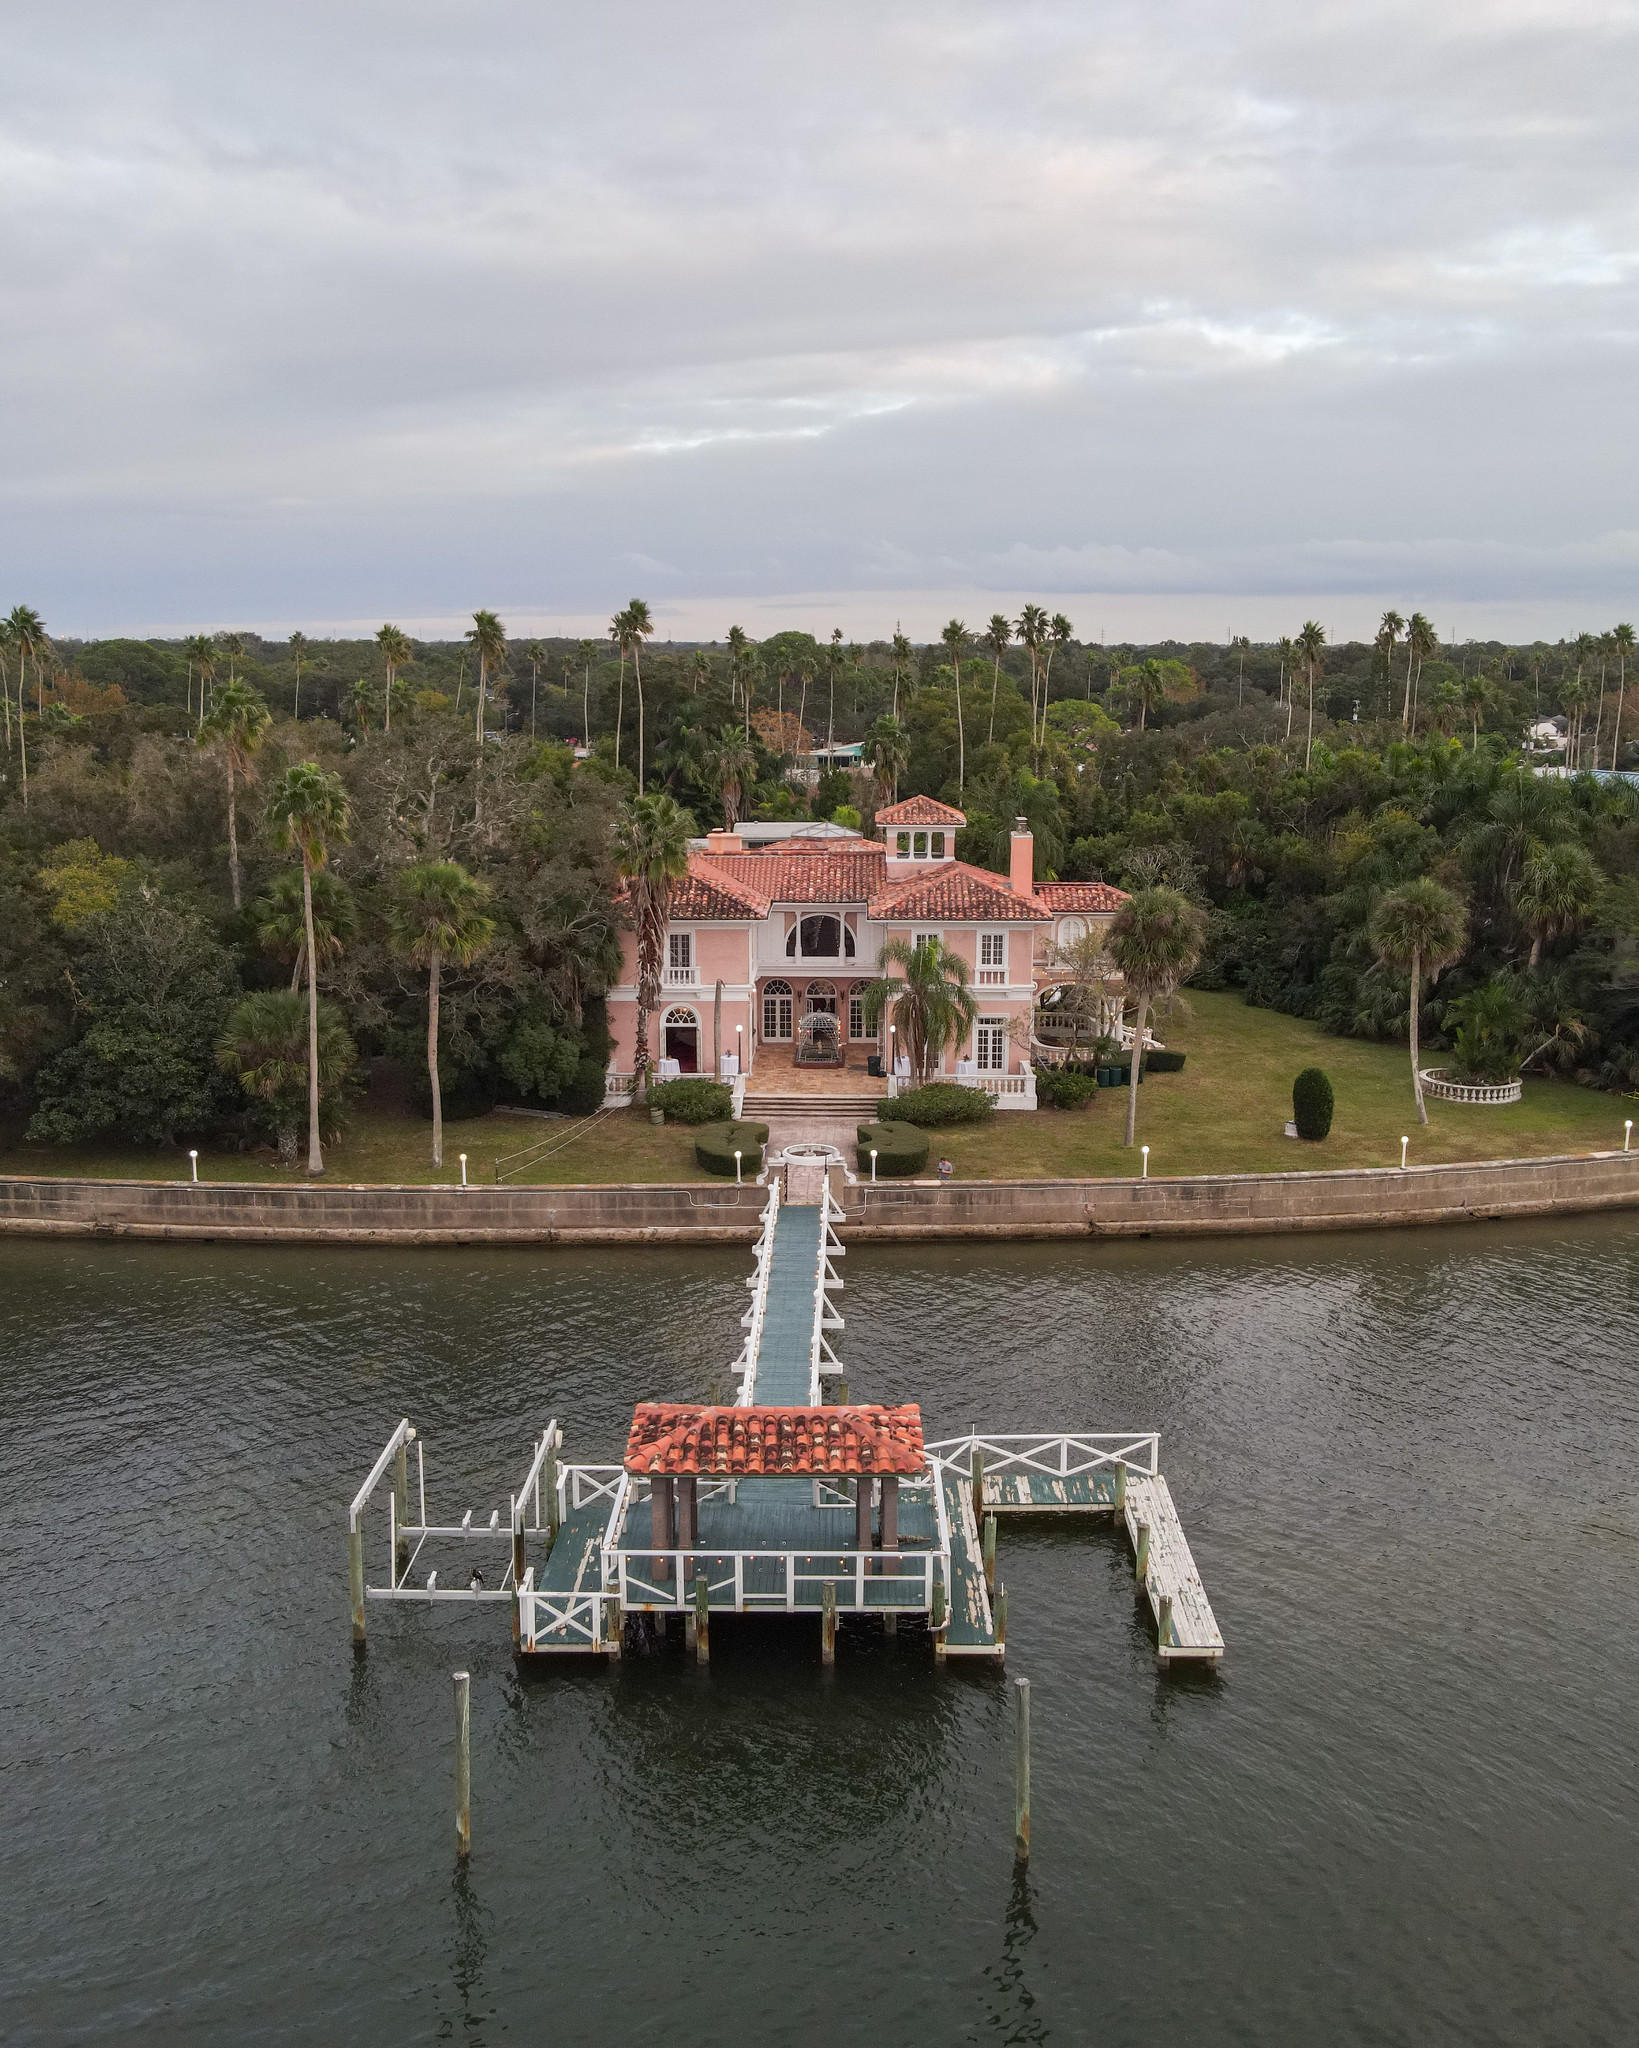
(774, 1441)
(1081, 895)
(957, 892)
(816, 874)
(809, 847)
(920, 810)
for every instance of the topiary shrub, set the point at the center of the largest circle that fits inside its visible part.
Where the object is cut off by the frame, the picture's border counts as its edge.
(1312, 1104)
(1064, 1088)
(583, 1092)
(716, 1144)
(943, 1102)
(692, 1100)
(1160, 1061)
(901, 1150)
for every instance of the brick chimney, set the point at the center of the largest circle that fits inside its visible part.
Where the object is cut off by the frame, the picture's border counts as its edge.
(1021, 872)
(719, 841)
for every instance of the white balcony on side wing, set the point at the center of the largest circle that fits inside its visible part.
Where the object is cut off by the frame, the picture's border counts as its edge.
(682, 977)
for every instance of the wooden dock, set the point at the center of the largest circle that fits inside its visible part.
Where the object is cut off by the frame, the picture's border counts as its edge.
(1184, 1622)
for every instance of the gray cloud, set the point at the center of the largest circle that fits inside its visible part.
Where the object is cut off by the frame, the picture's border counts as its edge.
(348, 312)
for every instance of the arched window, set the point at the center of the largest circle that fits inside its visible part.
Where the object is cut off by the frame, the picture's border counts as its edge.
(856, 1009)
(819, 938)
(820, 995)
(680, 1017)
(1071, 929)
(680, 1039)
(776, 1009)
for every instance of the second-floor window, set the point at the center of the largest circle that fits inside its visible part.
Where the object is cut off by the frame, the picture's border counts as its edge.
(820, 938)
(993, 949)
(680, 950)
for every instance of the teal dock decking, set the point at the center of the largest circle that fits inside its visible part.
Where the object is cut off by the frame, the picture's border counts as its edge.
(782, 1367)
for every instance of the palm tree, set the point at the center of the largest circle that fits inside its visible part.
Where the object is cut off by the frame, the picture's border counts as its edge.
(587, 649)
(233, 646)
(1388, 639)
(1240, 646)
(28, 636)
(702, 669)
(1030, 628)
(955, 637)
(831, 654)
(933, 1007)
(1622, 641)
(1419, 928)
(307, 810)
(1147, 688)
(487, 638)
(299, 644)
(1155, 941)
(737, 643)
(436, 915)
(902, 662)
(281, 926)
(200, 649)
(888, 751)
(237, 724)
(651, 846)
(1286, 652)
(1558, 889)
(1421, 642)
(396, 653)
(1476, 694)
(266, 1043)
(7, 642)
(997, 636)
(1310, 641)
(1060, 633)
(731, 762)
(535, 656)
(638, 625)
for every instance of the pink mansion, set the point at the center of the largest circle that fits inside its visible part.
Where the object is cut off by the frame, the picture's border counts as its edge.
(793, 930)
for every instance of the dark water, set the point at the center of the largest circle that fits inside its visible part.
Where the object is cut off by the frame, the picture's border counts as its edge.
(1405, 1812)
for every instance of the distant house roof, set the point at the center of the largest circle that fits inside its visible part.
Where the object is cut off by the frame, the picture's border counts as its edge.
(774, 1441)
(920, 810)
(1094, 896)
(828, 871)
(954, 891)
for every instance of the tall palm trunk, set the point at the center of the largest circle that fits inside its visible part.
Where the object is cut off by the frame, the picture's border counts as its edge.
(233, 834)
(433, 966)
(650, 945)
(478, 715)
(315, 1158)
(1309, 745)
(961, 736)
(1132, 1073)
(637, 671)
(995, 685)
(620, 702)
(1416, 1077)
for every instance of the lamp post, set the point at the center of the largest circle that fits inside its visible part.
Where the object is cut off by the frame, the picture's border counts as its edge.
(739, 1048)
(873, 1164)
(1627, 1134)
(193, 1160)
(463, 1169)
(1146, 1152)
(737, 1180)
(1404, 1142)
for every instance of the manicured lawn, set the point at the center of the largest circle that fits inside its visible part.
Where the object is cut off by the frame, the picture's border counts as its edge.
(381, 1146)
(1226, 1111)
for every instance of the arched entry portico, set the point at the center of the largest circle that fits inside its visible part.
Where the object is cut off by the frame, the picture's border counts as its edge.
(680, 1039)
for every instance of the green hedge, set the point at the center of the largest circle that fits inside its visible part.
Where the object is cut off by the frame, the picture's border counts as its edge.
(715, 1146)
(901, 1150)
(943, 1102)
(583, 1093)
(694, 1100)
(1160, 1061)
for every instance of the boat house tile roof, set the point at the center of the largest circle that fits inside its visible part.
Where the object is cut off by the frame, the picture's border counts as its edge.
(774, 1442)
(957, 893)
(921, 810)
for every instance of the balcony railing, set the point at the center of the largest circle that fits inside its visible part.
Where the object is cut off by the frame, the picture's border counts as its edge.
(682, 977)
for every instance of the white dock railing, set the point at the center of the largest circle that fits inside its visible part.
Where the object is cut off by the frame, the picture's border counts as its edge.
(663, 1580)
(1056, 1454)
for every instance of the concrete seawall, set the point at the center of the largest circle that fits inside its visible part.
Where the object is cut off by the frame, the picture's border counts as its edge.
(1210, 1205)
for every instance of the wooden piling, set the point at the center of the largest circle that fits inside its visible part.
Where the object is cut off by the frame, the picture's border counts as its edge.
(1141, 1561)
(987, 1543)
(978, 1482)
(613, 1628)
(1021, 1770)
(355, 1580)
(862, 1512)
(463, 1767)
(1120, 1487)
(1000, 1617)
(828, 1622)
(937, 1621)
(1163, 1623)
(550, 1476)
(702, 1619)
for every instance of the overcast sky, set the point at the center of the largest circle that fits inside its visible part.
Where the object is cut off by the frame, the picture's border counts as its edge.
(1174, 314)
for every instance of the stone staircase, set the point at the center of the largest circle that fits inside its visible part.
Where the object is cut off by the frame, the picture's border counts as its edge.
(762, 1104)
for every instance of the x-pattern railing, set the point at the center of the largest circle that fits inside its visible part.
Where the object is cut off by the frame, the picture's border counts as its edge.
(1062, 1454)
(664, 1579)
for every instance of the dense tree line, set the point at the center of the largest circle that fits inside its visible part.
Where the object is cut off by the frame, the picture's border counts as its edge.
(149, 900)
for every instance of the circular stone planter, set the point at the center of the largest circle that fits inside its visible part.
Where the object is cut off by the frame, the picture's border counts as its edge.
(1474, 1093)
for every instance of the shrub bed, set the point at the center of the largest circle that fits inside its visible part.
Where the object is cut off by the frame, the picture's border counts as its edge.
(943, 1102)
(901, 1150)
(1064, 1087)
(693, 1100)
(1160, 1061)
(716, 1144)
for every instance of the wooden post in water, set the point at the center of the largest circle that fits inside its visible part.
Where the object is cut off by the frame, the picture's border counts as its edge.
(355, 1581)
(1141, 1562)
(1000, 1617)
(988, 1551)
(828, 1622)
(1120, 1487)
(937, 1621)
(978, 1482)
(1021, 1770)
(1163, 1625)
(862, 1512)
(839, 1393)
(463, 1767)
(401, 1508)
(702, 1619)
